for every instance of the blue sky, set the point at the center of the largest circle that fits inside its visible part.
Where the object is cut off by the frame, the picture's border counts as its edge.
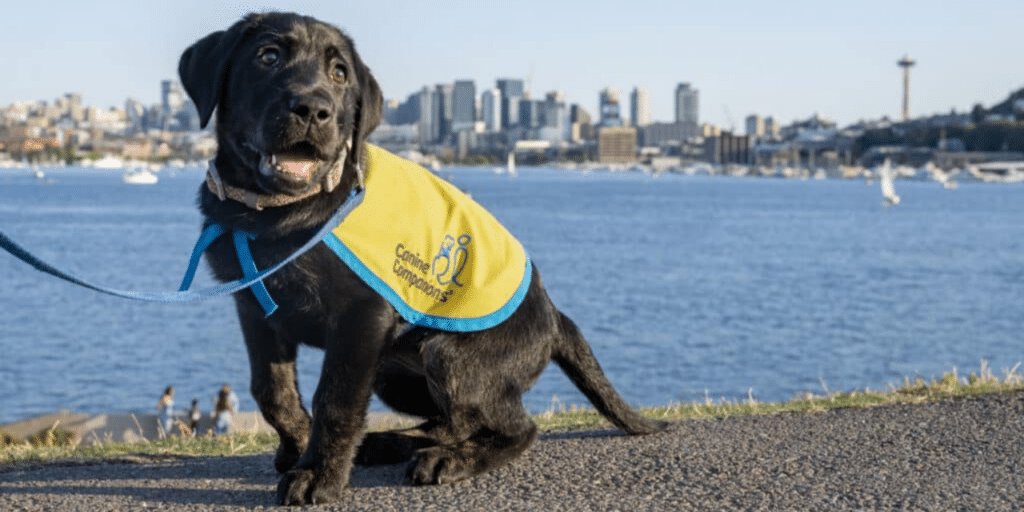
(788, 59)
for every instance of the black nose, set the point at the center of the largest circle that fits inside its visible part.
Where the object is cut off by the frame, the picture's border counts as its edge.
(312, 109)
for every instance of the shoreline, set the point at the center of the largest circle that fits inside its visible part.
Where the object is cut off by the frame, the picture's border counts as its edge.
(90, 429)
(959, 454)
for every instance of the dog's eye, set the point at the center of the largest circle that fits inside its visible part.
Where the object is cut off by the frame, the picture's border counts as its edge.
(269, 57)
(340, 73)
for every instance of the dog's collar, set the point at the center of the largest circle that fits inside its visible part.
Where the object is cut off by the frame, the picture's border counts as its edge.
(258, 201)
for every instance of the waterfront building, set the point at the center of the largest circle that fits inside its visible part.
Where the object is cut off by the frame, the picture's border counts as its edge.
(616, 144)
(666, 134)
(687, 104)
(726, 148)
(639, 108)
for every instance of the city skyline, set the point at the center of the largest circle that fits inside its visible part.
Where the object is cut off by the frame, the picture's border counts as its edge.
(788, 62)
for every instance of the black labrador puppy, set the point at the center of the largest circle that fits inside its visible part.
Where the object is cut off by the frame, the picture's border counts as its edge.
(294, 106)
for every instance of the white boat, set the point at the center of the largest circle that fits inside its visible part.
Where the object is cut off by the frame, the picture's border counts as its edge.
(108, 162)
(885, 176)
(998, 172)
(141, 176)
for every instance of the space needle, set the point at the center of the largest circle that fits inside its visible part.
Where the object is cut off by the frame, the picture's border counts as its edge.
(906, 63)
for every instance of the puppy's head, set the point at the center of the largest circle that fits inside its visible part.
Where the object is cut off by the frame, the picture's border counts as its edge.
(293, 100)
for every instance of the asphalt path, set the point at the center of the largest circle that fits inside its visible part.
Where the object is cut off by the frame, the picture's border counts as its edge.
(965, 454)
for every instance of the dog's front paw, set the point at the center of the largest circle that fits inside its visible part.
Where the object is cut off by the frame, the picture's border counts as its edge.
(306, 487)
(438, 466)
(287, 456)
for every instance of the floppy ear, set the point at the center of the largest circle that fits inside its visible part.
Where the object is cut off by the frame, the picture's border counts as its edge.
(203, 69)
(371, 102)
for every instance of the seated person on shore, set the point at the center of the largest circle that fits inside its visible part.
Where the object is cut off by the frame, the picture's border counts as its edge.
(227, 404)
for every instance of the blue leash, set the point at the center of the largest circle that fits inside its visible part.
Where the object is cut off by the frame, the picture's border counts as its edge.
(252, 278)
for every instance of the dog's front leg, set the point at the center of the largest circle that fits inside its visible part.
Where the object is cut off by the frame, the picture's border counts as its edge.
(275, 389)
(339, 417)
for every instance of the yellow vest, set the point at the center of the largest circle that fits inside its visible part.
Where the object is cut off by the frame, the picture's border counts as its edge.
(436, 255)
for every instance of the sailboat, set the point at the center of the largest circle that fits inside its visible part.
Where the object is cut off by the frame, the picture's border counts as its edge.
(885, 176)
(510, 167)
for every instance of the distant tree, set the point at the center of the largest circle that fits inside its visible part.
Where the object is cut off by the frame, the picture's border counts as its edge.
(978, 114)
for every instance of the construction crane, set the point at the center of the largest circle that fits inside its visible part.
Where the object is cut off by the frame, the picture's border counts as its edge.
(729, 119)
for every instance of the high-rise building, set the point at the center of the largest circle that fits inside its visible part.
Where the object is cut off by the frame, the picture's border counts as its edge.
(772, 128)
(531, 114)
(490, 109)
(74, 104)
(135, 114)
(429, 122)
(639, 108)
(755, 125)
(555, 113)
(578, 114)
(512, 90)
(172, 98)
(463, 105)
(581, 124)
(445, 109)
(687, 104)
(407, 112)
(610, 108)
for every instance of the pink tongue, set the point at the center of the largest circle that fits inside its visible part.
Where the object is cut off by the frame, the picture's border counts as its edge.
(299, 168)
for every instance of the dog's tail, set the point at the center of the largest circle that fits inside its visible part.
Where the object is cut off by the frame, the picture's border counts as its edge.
(575, 358)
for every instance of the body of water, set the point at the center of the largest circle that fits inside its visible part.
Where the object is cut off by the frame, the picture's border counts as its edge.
(687, 287)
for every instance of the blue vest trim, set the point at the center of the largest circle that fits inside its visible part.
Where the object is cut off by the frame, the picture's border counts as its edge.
(426, 320)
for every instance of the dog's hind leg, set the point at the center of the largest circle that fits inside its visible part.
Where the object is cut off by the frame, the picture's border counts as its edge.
(401, 385)
(477, 384)
(487, 448)
(394, 446)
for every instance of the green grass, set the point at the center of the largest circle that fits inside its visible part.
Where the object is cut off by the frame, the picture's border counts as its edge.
(52, 449)
(54, 446)
(912, 391)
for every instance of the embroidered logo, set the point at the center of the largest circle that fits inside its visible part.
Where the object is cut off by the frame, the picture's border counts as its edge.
(451, 260)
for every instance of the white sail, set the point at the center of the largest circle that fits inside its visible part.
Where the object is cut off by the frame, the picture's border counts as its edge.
(511, 165)
(886, 178)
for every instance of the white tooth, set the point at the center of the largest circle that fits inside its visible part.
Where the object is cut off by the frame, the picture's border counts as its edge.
(266, 165)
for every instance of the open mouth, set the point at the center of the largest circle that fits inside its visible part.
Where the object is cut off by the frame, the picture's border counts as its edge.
(297, 163)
